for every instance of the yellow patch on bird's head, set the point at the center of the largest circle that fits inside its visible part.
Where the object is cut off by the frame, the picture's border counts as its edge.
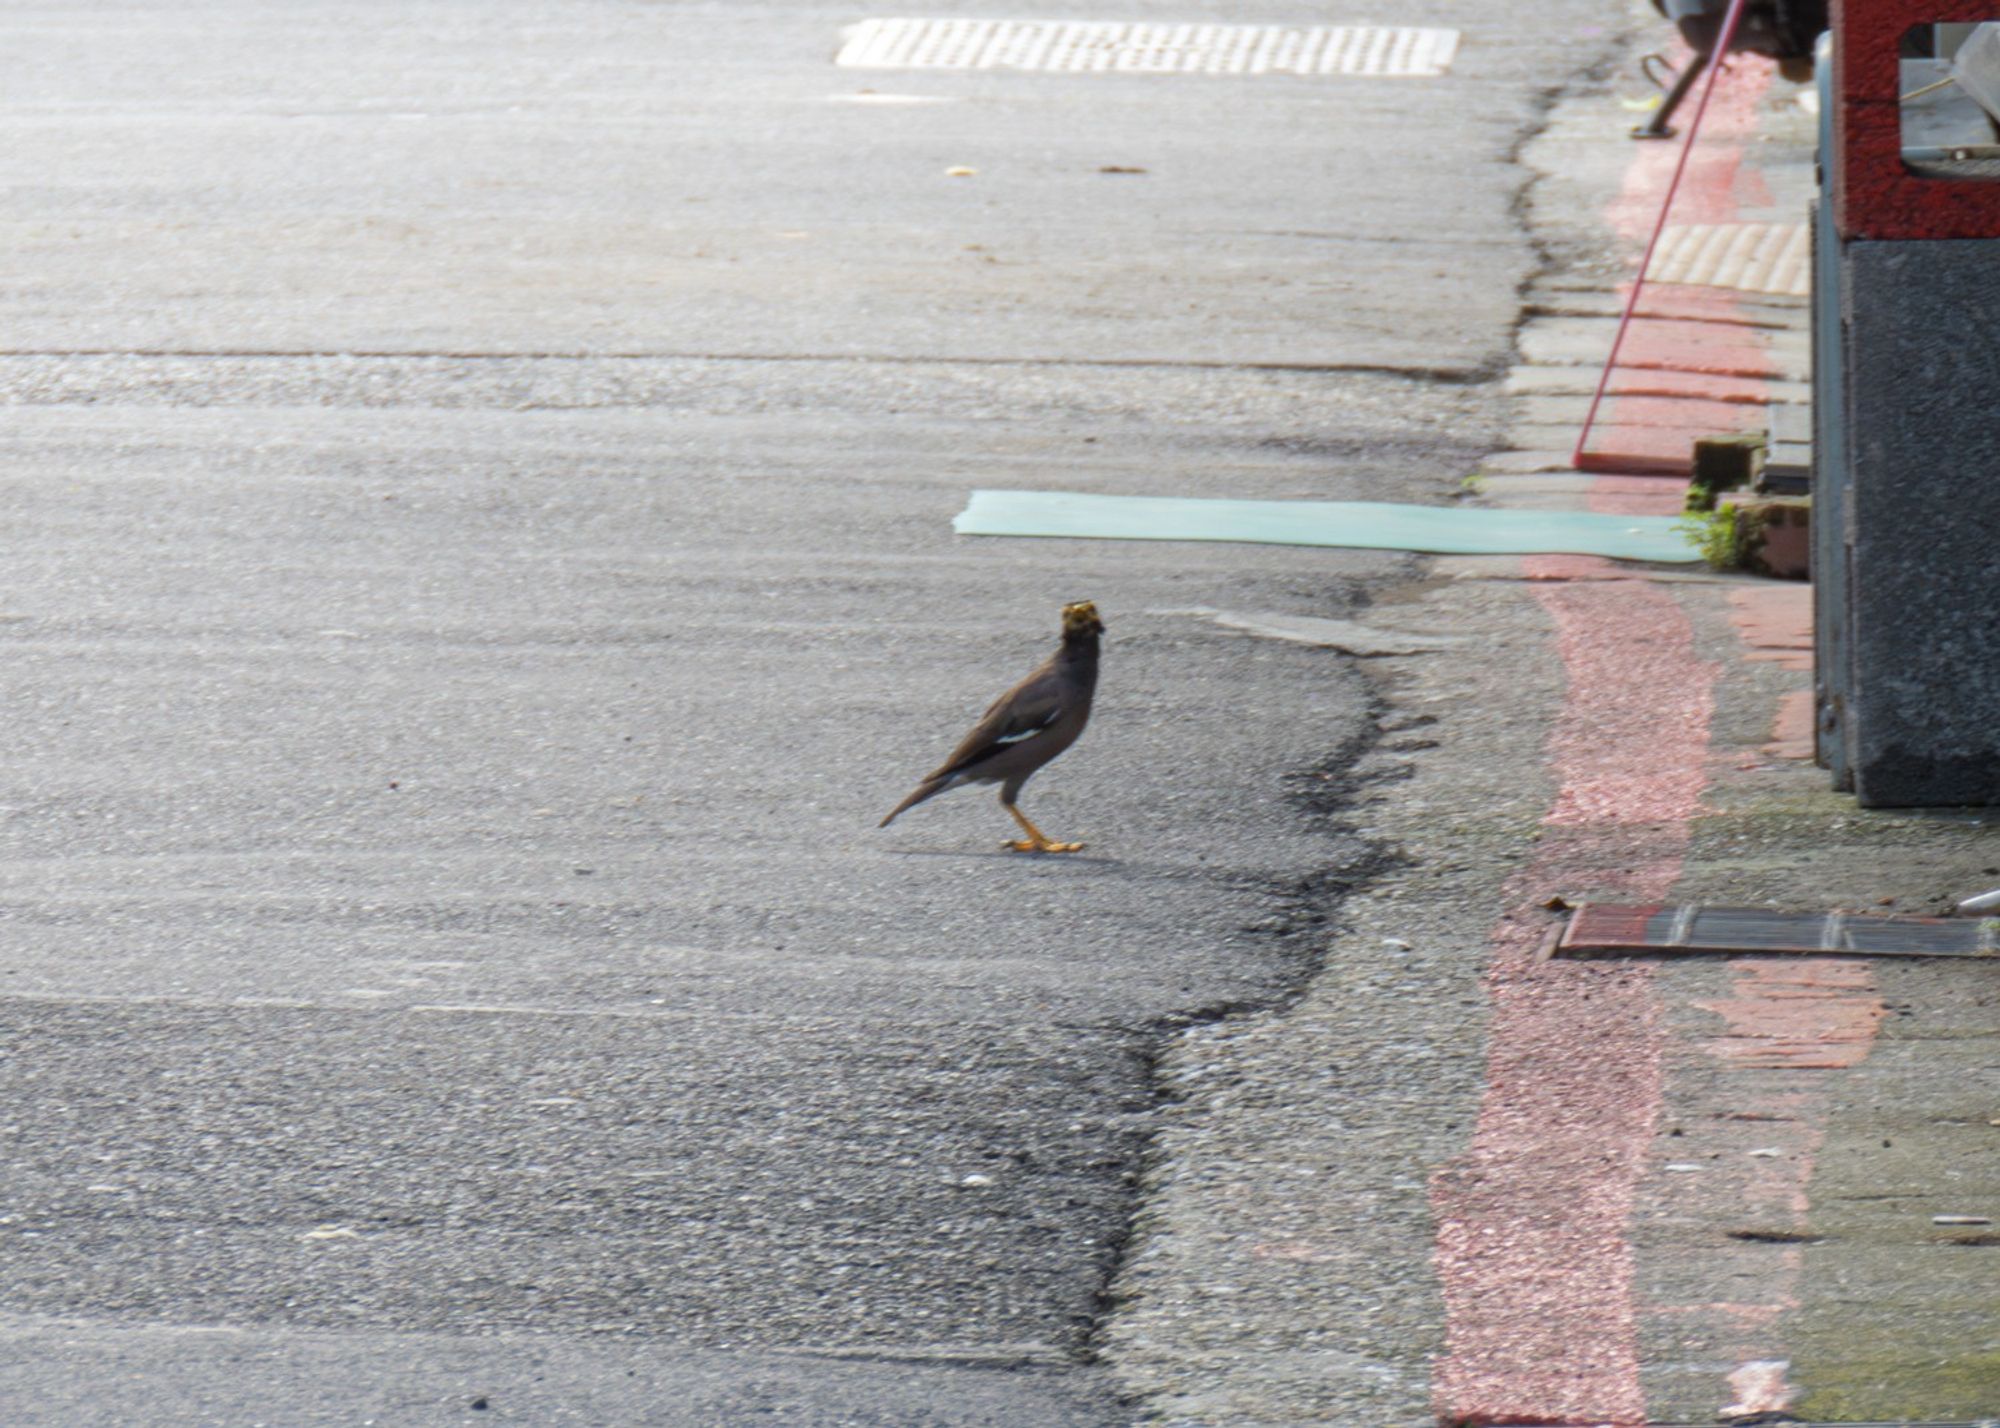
(1081, 619)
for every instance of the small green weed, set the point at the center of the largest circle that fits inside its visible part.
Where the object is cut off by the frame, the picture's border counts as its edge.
(1717, 535)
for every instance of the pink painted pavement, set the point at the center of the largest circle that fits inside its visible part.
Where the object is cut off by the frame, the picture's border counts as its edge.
(1531, 1247)
(1533, 1251)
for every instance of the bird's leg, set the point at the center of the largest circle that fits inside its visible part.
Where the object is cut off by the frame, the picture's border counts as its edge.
(1037, 841)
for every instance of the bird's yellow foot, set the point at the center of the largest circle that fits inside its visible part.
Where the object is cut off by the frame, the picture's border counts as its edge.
(1044, 846)
(1037, 841)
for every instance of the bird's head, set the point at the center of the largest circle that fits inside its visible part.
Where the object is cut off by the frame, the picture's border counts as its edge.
(1080, 620)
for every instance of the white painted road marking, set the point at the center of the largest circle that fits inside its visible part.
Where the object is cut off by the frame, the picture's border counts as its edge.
(1109, 46)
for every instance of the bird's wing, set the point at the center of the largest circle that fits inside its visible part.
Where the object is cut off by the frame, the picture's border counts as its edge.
(1021, 713)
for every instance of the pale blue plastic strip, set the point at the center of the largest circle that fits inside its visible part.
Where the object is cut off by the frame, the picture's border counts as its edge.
(1366, 525)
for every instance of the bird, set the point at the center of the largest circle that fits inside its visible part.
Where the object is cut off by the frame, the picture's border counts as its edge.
(1025, 728)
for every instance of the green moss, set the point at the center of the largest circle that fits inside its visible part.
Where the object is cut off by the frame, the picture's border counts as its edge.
(1864, 1386)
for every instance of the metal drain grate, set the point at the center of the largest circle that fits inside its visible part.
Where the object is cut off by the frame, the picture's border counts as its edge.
(1749, 257)
(1601, 930)
(1118, 47)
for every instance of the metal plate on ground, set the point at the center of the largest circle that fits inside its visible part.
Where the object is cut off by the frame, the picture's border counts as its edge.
(1749, 257)
(1606, 930)
(1121, 47)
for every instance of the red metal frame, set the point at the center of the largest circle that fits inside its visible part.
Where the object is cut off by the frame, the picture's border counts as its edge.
(1874, 195)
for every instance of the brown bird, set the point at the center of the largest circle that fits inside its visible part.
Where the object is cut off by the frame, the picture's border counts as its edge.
(1025, 728)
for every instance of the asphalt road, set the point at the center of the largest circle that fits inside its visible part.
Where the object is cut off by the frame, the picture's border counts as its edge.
(477, 488)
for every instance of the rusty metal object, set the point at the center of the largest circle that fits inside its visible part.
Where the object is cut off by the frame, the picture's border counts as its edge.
(1659, 929)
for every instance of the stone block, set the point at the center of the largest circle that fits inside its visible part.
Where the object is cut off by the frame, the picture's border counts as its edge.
(1774, 534)
(1921, 523)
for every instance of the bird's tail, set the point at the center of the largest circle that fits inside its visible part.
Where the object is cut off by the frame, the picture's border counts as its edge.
(922, 791)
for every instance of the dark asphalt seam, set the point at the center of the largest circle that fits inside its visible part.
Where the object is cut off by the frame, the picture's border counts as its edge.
(1612, 48)
(1448, 376)
(1330, 237)
(329, 1010)
(1544, 309)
